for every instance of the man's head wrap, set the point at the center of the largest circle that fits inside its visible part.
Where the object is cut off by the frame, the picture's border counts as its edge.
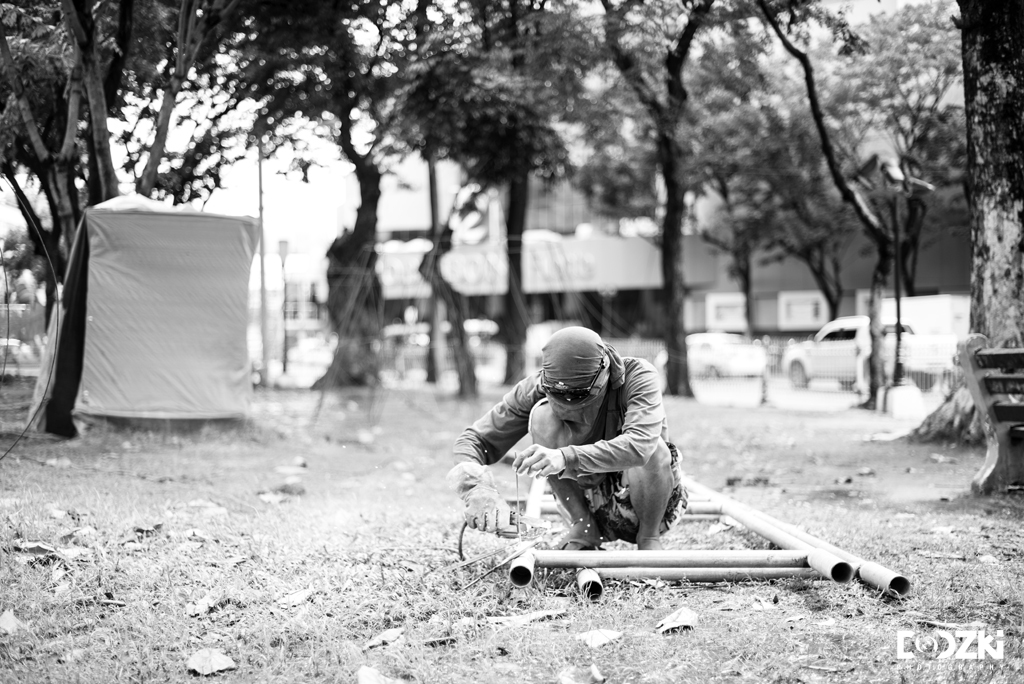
(573, 356)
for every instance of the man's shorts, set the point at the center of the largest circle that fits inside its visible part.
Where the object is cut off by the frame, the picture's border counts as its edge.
(613, 510)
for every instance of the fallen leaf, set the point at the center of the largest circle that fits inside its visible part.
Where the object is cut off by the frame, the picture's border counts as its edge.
(866, 472)
(35, 548)
(290, 489)
(202, 606)
(581, 675)
(598, 637)
(987, 559)
(10, 624)
(827, 622)
(368, 675)
(76, 553)
(295, 598)
(795, 618)
(440, 641)
(72, 655)
(60, 463)
(946, 529)
(684, 618)
(209, 661)
(519, 620)
(78, 534)
(716, 528)
(272, 497)
(386, 637)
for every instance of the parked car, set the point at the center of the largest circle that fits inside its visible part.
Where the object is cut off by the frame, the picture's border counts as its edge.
(840, 350)
(721, 355)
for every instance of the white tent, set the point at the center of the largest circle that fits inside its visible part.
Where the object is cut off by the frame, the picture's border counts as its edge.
(152, 323)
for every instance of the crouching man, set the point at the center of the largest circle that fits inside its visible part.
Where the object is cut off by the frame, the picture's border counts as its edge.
(600, 437)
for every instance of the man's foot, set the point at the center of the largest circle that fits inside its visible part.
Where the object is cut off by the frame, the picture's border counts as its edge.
(649, 544)
(582, 536)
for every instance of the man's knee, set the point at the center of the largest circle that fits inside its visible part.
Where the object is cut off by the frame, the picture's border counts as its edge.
(545, 428)
(660, 460)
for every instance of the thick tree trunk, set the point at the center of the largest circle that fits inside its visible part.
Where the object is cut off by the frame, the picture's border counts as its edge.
(992, 40)
(515, 318)
(676, 367)
(354, 298)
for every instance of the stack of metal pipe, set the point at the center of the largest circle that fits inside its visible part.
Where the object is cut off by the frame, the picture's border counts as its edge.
(801, 555)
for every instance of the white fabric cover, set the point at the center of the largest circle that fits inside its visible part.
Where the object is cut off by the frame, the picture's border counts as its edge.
(167, 313)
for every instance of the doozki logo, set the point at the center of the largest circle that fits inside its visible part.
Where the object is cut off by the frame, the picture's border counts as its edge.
(961, 644)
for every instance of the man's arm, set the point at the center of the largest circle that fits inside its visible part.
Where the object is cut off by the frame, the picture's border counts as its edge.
(484, 443)
(488, 439)
(643, 425)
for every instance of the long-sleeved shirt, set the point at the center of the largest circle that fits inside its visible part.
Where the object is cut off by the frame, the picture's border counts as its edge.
(634, 421)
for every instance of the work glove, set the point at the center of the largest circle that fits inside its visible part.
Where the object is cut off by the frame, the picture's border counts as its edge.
(485, 510)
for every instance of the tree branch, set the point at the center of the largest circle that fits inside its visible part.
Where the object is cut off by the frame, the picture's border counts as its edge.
(8, 66)
(867, 217)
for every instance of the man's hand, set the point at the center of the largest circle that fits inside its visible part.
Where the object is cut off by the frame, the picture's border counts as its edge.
(539, 461)
(487, 511)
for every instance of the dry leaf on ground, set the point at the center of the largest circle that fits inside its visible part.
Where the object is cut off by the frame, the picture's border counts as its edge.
(388, 636)
(210, 661)
(202, 606)
(684, 618)
(581, 675)
(368, 675)
(598, 637)
(518, 620)
(10, 624)
(295, 598)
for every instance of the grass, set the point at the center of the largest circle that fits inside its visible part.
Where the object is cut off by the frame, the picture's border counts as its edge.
(175, 520)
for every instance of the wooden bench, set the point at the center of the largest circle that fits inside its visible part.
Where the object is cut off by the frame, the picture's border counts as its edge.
(995, 378)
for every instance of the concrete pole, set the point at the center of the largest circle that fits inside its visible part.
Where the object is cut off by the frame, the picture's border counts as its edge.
(265, 353)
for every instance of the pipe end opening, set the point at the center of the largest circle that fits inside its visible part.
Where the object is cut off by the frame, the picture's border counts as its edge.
(592, 590)
(520, 575)
(899, 586)
(842, 572)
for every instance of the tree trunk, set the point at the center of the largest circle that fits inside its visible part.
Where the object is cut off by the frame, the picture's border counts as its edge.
(354, 297)
(876, 360)
(676, 367)
(147, 181)
(741, 266)
(515, 318)
(992, 39)
(100, 133)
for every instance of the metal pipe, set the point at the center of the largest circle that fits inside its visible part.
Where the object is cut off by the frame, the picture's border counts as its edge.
(703, 508)
(535, 498)
(869, 572)
(670, 559)
(520, 570)
(708, 574)
(589, 583)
